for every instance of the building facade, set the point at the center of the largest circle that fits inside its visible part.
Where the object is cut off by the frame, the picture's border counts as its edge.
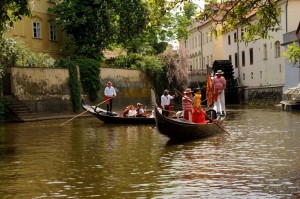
(259, 63)
(38, 32)
(203, 48)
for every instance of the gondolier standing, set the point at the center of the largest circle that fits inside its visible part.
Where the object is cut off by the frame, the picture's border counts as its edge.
(165, 102)
(109, 93)
(219, 84)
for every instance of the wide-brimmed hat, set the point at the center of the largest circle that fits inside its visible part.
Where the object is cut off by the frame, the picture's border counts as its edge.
(188, 90)
(166, 92)
(219, 72)
(129, 107)
(139, 104)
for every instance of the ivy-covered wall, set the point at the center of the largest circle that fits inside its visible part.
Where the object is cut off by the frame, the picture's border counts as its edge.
(47, 89)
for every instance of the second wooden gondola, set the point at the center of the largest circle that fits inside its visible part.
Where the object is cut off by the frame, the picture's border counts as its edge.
(181, 129)
(116, 118)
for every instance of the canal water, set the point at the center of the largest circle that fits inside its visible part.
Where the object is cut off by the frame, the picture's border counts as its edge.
(88, 159)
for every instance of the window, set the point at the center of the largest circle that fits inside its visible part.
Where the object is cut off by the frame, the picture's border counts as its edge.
(52, 32)
(36, 30)
(200, 62)
(251, 56)
(207, 37)
(196, 42)
(242, 33)
(265, 51)
(235, 37)
(244, 77)
(243, 58)
(192, 42)
(199, 40)
(280, 70)
(229, 40)
(236, 59)
(251, 75)
(197, 66)
(230, 58)
(260, 72)
(207, 60)
(277, 49)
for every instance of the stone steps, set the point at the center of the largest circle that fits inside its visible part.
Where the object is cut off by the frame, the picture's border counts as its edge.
(19, 109)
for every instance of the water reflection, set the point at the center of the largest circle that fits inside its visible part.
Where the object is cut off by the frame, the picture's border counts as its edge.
(85, 158)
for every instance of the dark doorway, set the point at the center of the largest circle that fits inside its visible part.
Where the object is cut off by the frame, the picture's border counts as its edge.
(6, 84)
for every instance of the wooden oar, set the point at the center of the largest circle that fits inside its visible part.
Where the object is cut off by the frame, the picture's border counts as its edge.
(85, 111)
(203, 112)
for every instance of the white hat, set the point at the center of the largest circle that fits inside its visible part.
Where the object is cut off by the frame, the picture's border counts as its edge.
(219, 72)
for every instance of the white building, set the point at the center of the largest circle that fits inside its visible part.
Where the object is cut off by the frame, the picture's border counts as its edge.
(203, 48)
(257, 64)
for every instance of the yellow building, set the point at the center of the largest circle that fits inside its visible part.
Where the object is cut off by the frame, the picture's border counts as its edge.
(38, 31)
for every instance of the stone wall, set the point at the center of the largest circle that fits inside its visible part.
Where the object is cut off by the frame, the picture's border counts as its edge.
(132, 86)
(47, 89)
(269, 95)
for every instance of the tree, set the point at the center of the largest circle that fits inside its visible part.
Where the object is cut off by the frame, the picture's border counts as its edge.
(176, 65)
(12, 10)
(97, 24)
(257, 17)
(293, 54)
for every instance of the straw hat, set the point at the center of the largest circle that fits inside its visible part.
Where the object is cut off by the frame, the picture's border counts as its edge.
(188, 90)
(166, 92)
(130, 107)
(219, 72)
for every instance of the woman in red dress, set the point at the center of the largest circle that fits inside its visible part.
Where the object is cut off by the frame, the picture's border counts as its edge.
(198, 115)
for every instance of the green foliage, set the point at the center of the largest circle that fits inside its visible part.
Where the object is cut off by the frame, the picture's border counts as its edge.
(257, 17)
(181, 29)
(97, 24)
(160, 47)
(89, 71)
(8, 53)
(16, 53)
(89, 76)
(146, 63)
(12, 10)
(293, 54)
(74, 86)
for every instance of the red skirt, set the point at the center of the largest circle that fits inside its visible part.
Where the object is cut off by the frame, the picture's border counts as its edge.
(198, 116)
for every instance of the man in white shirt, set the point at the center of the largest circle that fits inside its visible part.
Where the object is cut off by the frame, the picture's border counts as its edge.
(109, 93)
(165, 102)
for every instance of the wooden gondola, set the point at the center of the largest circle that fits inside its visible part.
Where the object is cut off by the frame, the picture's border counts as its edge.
(181, 129)
(115, 118)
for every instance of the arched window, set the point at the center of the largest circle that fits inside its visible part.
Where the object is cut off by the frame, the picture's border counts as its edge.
(277, 49)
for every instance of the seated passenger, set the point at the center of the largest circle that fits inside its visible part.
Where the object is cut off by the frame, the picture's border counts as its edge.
(140, 110)
(129, 111)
